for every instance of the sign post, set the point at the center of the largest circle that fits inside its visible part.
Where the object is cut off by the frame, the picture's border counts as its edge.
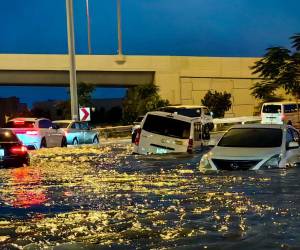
(71, 46)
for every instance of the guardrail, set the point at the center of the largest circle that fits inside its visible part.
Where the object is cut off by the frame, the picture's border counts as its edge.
(224, 122)
(116, 131)
(220, 123)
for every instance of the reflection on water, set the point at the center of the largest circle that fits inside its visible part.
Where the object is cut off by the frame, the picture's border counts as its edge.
(91, 197)
(24, 188)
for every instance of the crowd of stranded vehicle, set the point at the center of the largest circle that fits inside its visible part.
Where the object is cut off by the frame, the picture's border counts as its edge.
(272, 144)
(34, 133)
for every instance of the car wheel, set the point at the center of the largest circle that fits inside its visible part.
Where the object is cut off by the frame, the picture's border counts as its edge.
(64, 142)
(27, 162)
(43, 143)
(75, 141)
(96, 140)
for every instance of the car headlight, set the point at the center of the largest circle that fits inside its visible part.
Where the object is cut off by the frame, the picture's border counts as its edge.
(205, 165)
(273, 162)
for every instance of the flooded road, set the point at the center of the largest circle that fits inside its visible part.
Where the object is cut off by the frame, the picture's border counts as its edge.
(104, 197)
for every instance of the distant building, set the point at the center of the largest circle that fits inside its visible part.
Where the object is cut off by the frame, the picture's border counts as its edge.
(11, 107)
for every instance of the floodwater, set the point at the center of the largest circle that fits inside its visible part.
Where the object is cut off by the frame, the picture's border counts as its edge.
(104, 197)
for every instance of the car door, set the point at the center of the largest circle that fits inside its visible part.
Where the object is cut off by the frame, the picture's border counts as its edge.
(55, 134)
(293, 154)
(78, 132)
(45, 131)
(88, 134)
(197, 135)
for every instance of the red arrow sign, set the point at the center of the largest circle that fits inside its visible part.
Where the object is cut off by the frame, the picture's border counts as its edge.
(84, 114)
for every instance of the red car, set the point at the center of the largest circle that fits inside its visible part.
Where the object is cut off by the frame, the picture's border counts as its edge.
(12, 151)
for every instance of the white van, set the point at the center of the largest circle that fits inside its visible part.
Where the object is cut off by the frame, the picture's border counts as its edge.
(279, 113)
(163, 132)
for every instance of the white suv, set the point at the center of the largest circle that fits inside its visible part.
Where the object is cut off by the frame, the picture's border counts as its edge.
(37, 133)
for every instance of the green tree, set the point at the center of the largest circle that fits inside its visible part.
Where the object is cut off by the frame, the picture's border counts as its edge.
(140, 100)
(85, 92)
(217, 102)
(279, 67)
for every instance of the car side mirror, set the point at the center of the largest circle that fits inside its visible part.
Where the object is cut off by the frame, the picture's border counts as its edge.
(293, 145)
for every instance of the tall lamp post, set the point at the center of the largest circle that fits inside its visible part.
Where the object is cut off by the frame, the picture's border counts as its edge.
(120, 52)
(71, 48)
(88, 26)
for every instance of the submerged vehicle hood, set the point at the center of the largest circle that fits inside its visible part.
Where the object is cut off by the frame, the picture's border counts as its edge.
(243, 153)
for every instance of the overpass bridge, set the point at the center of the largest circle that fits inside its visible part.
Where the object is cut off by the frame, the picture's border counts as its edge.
(182, 80)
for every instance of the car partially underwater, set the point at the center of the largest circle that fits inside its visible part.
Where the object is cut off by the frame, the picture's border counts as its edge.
(254, 147)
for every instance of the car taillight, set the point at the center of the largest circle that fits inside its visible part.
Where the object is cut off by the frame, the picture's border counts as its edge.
(190, 146)
(137, 137)
(19, 122)
(31, 132)
(18, 150)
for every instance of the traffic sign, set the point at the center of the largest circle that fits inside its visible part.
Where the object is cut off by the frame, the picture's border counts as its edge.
(85, 114)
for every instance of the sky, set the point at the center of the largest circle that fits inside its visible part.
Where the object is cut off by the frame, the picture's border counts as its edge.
(150, 27)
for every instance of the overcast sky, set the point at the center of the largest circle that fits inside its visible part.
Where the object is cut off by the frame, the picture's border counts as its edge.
(150, 27)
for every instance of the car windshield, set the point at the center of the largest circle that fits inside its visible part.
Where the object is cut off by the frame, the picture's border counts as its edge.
(272, 108)
(190, 112)
(20, 124)
(7, 136)
(252, 138)
(167, 126)
(62, 124)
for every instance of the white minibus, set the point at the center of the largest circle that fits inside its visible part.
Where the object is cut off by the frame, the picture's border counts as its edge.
(279, 113)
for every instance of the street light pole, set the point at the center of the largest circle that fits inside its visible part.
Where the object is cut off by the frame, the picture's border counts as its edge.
(88, 26)
(120, 52)
(71, 47)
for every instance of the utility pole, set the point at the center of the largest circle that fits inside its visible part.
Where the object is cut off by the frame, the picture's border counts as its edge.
(88, 26)
(120, 52)
(72, 70)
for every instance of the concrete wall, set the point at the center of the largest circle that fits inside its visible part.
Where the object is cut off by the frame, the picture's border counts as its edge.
(182, 80)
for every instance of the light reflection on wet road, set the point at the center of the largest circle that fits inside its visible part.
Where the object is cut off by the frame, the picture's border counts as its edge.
(103, 197)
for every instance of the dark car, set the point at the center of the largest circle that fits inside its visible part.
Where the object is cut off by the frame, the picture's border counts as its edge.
(12, 151)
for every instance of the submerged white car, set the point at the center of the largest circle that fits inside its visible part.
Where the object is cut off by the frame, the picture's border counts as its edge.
(254, 147)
